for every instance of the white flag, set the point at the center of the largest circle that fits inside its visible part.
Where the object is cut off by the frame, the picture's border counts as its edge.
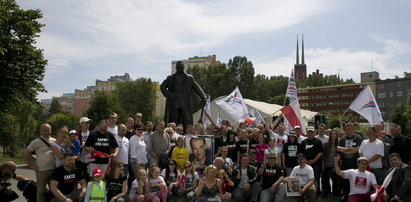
(366, 106)
(234, 105)
(258, 118)
(206, 121)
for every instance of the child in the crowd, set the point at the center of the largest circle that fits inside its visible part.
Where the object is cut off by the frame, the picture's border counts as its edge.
(180, 154)
(96, 189)
(75, 143)
(171, 176)
(188, 181)
(140, 188)
(158, 187)
(226, 182)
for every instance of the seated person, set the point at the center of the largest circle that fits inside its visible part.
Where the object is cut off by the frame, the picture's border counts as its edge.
(7, 172)
(305, 174)
(64, 179)
(246, 181)
(271, 177)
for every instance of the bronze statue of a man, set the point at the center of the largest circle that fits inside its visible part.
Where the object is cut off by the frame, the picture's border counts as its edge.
(177, 89)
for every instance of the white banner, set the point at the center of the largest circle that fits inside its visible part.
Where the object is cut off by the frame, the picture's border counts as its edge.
(234, 105)
(366, 106)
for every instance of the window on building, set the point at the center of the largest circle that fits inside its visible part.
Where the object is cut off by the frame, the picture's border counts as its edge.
(382, 104)
(381, 95)
(399, 84)
(399, 93)
(399, 103)
(381, 86)
(383, 113)
(391, 94)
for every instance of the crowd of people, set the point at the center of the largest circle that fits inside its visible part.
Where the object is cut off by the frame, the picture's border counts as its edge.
(138, 161)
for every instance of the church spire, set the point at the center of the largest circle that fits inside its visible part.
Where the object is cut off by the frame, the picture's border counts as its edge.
(302, 50)
(297, 58)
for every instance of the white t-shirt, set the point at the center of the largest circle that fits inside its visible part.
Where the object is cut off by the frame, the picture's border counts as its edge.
(189, 179)
(172, 175)
(280, 140)
(324, 138)
(138, 149)
(44, 155)
(114, 130)
(369, 149)
(123, 149)
(301, 138)
(134, 185)
(244, 178)
(360, 182)
(304, 174)
(63, 148)
(152, 181)
(84, 153)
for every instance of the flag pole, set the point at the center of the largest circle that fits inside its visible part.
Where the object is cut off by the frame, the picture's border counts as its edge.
(343, 114)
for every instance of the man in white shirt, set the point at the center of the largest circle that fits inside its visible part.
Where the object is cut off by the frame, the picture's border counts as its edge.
(123, 147)
(305, 174)
(373, 150)
(111, 122)
(322, 128)
(360, 179)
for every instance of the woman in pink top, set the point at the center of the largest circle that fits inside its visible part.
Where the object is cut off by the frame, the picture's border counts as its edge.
(260, 147)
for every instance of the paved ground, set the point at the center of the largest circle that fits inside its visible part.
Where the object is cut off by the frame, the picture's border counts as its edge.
(25, 171)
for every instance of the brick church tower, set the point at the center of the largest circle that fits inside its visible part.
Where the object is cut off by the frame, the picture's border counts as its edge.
(300, 70)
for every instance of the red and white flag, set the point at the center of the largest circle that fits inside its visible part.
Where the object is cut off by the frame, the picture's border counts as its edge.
(292, 111)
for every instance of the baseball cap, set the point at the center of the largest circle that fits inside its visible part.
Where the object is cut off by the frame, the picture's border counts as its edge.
(251, 151)
(292, 133)
(84, 120)
(97, 171)
(73, 132)
(297, 127)
(310, 128)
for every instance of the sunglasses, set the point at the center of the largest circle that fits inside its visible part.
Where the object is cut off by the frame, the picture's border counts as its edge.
(140, 129)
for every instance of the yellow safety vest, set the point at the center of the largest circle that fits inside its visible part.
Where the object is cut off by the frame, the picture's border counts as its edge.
(97, 194)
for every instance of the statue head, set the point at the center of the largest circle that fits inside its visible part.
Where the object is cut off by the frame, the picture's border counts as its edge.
(180, 67)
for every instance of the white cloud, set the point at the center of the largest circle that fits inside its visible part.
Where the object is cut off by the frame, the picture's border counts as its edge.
(351, 62)
(89, 28)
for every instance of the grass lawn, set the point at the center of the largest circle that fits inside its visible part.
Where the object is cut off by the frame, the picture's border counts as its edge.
(17, 160)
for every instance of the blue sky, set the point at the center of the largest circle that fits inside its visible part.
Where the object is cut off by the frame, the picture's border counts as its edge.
(84, 40)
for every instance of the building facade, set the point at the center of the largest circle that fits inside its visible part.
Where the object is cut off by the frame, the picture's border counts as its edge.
(331, 99)
(203, 62)
(391, 93)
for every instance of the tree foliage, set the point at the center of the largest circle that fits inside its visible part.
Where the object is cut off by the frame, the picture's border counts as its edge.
(137, 96)
(22, 65)
(314, 80)
(59, 120)
(402, 116)
(102, 105)
(55, 107)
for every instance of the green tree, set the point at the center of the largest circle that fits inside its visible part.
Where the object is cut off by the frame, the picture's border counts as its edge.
(242, 72)
(22, 65)
(102, 105)
(55, 107)
(278, 99)
(402, 116)
(137, 96)
(59, 120)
